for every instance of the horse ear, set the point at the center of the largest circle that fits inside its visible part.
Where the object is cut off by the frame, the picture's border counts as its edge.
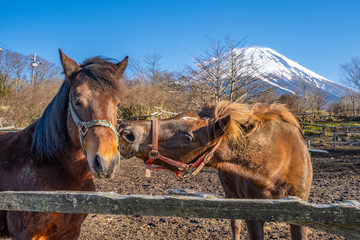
(220, 127)
(122, 66)
(69, 65)
(209, 103)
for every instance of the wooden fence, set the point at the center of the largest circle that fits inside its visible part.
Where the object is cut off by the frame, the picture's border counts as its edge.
(340, 218)
(336, 136)
(325, 114)
(8, 129)
(158, 114)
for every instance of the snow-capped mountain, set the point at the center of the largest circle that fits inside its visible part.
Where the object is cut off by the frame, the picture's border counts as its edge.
(286, 74)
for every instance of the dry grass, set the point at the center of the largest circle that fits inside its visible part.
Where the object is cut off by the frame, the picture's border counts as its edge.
(28, 104)
(144, 99)
(136, 100)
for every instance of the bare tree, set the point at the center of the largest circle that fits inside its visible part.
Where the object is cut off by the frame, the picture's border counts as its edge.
(350, 76)
(206, 79)
(12, 71)
(336, 108)
(195, 92)
(318, 98)
(293, 102)
(350, 73)
(313, 97)
(46, 71)
(148, 86)
(152, 63)
(19, 75)
(243, 73)
(148, 69)
(6, 69)
(344, 106)
(225, 70)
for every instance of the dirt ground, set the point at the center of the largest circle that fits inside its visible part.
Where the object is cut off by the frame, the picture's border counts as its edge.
(336, 179)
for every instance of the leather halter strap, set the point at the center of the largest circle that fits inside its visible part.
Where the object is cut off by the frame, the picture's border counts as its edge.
(181, 167)
(85, 126)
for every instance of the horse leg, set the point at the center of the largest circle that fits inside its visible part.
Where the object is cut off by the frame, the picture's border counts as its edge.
(255, 229)
(3, 224)
(31, 236)
(236, 228)
(298, 232)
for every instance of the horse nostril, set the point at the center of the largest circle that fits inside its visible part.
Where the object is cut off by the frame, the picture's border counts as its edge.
(130, 137)
(97, 164)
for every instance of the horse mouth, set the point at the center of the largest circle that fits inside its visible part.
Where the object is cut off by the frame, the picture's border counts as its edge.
(102, 175)
(103, 167)
(126, 153)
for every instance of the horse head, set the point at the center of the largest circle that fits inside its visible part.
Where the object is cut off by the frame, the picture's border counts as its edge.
(183, 138)
(94, 88)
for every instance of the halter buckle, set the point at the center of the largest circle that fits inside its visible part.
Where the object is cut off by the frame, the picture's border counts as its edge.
(153, 154)
(189, 169)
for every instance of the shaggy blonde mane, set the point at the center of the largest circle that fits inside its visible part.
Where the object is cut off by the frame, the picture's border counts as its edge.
(246, 119)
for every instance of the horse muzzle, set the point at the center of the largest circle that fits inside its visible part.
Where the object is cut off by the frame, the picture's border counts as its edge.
(102, 167)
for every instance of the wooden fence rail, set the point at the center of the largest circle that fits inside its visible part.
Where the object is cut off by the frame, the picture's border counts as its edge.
(10, 128)
(328, 126)
(160, 113)
(340, 218)
(314, 131)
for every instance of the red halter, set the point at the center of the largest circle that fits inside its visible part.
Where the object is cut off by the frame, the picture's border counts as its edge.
(181, 167)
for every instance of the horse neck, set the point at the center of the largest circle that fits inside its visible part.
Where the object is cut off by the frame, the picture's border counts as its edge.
(76, 165)
(225, 160)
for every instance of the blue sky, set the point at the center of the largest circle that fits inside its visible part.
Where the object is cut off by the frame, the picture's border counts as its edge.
(319, 35)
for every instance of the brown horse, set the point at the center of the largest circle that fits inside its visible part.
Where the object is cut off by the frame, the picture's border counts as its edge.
(259, 150)
(73, 141)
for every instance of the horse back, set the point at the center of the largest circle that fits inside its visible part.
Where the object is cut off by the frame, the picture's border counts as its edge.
(14, 155)
(14, 147)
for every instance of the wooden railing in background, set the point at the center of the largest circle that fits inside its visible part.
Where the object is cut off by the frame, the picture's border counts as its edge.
(327, 134)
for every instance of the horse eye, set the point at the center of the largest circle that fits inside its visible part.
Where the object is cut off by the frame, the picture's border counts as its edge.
(188, 137)
(130, 137)
(77, 103)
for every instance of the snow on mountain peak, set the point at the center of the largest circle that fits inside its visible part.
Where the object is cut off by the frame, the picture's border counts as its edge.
(285, 73)
(273, 61)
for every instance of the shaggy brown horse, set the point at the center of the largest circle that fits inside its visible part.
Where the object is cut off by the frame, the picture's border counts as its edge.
(259, 150)
(73, 141)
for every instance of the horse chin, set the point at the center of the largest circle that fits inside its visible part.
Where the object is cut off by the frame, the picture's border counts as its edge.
(102, 175)
(94, 174)
(127, 154)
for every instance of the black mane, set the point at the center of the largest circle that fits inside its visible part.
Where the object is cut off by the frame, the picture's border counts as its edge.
(51, 136)
(100, 72)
